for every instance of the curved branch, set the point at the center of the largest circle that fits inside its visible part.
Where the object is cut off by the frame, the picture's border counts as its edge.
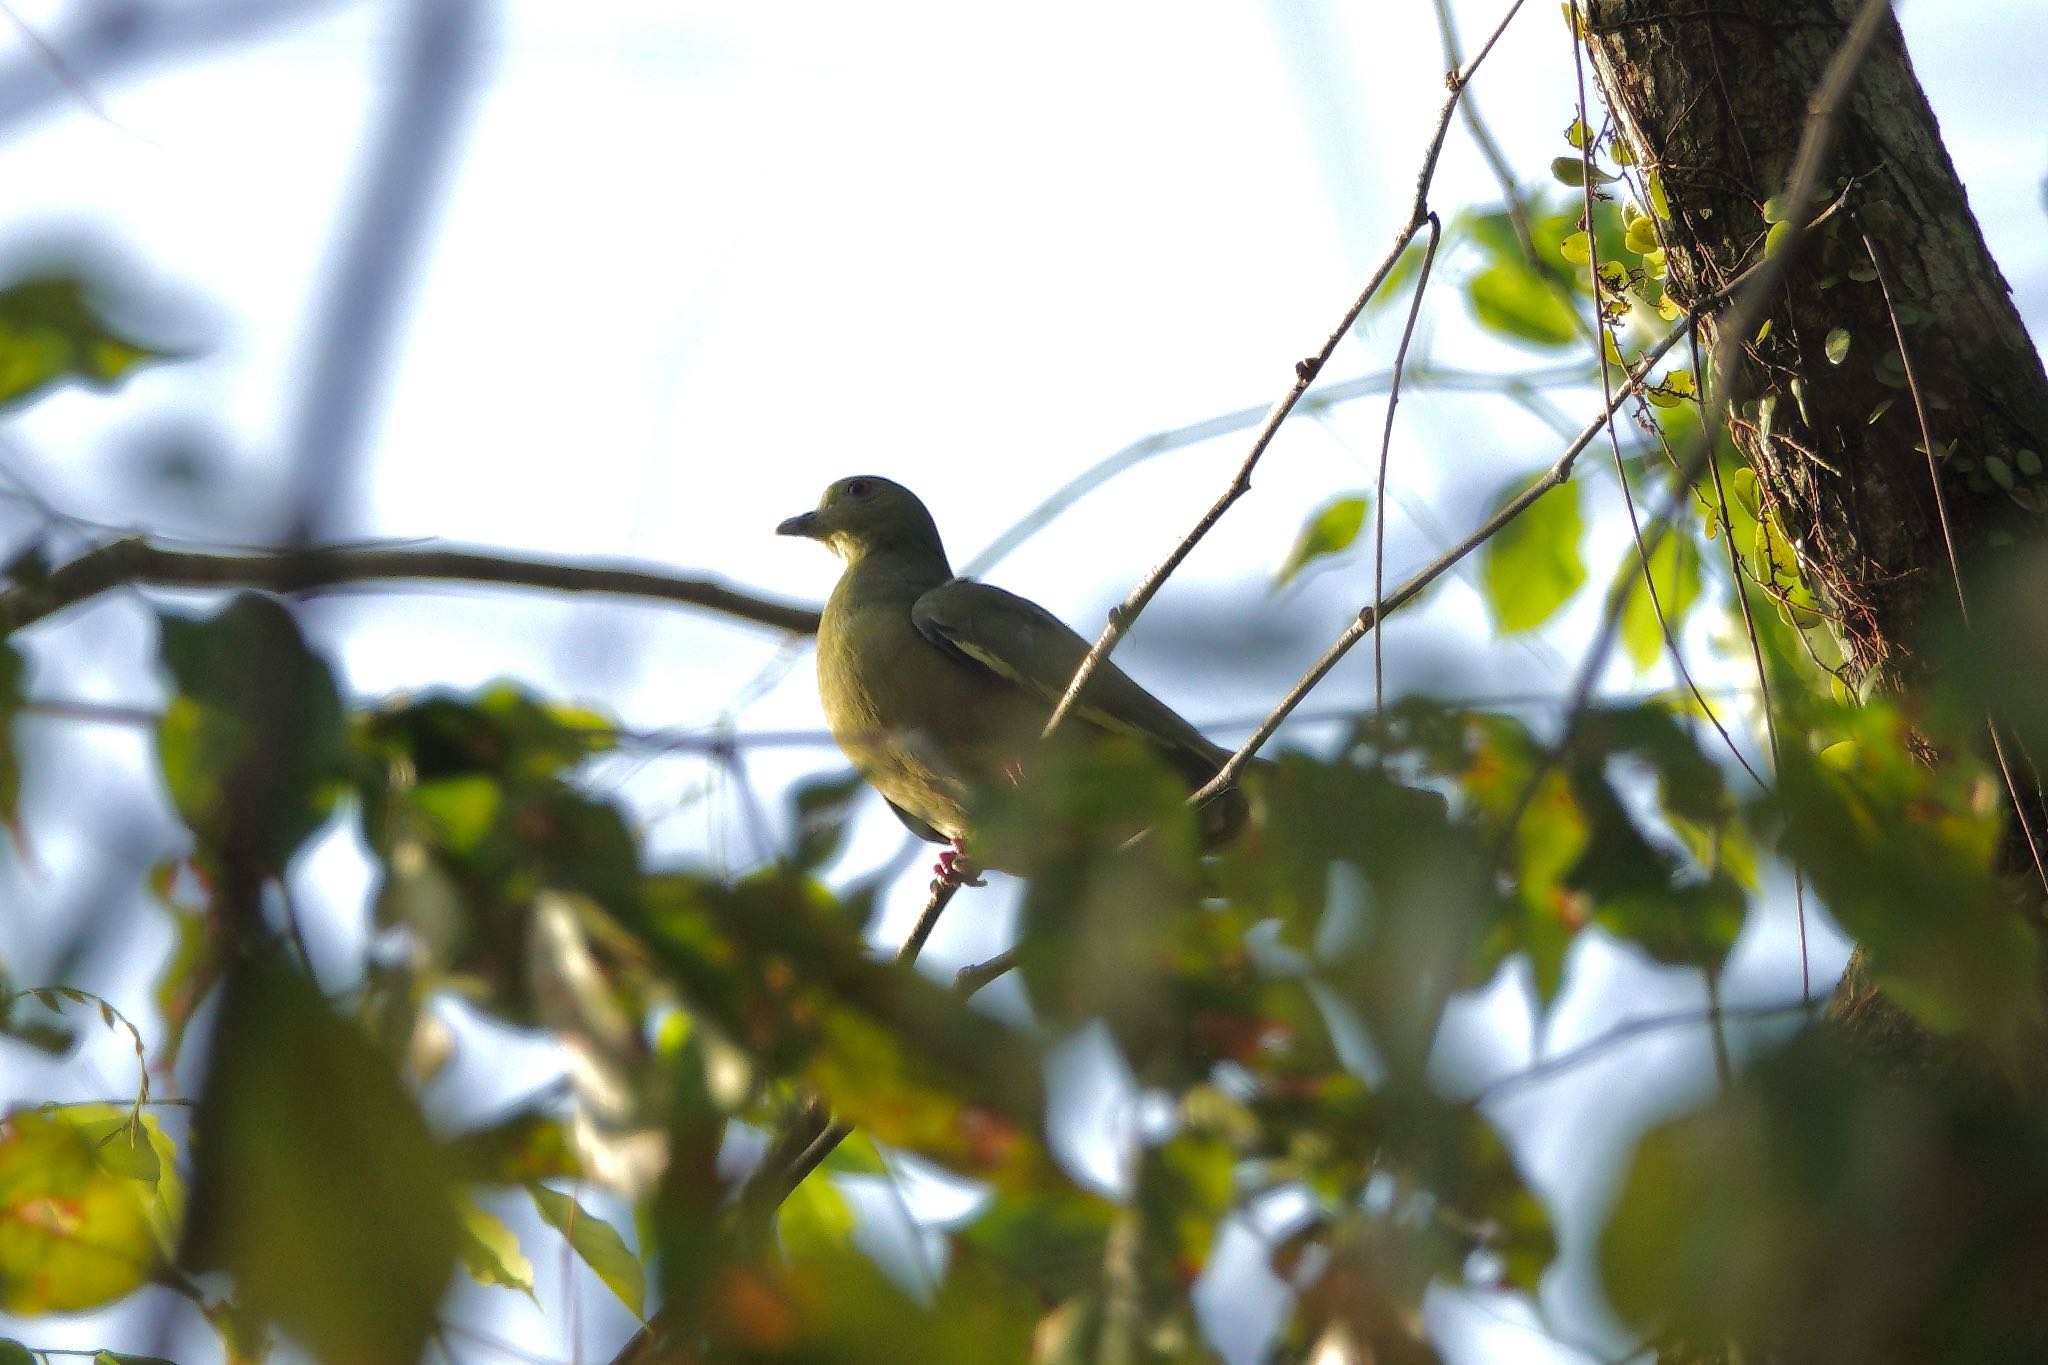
(139, 562)
(1305, 372)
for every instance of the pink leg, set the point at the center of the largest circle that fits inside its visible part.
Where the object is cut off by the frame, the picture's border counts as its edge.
(953, 869)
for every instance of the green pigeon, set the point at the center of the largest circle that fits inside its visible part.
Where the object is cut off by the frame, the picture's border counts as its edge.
(936, 685)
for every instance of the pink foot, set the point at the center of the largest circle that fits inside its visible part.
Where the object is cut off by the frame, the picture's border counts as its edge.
(953, 869)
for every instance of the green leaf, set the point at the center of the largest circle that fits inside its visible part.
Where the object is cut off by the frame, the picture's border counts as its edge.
(1883, 836)
(245, 681)
(490, 1251)
(1675, 572)
(1518, 302)
(317, 1184)
(1051, 1243)
(1330, 531)
(1532, 567)
(13, 1352)
(1395, 286)
(1659, 203)
(120, 1145)
(823, 807)
(597, 1243)
(815, 1219)
(1840, 1212)
(73, 1235)
(1573, 171)
(1837, 345)
(13, 676)
(526, 1147)
(50, 332)
(29, 1018)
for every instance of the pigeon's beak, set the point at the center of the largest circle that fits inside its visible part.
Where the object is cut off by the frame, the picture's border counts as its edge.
(804, 524)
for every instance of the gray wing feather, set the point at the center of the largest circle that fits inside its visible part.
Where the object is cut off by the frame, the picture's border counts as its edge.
(1030, 648)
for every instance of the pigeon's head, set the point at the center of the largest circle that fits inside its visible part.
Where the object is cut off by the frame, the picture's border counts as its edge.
(863, 514)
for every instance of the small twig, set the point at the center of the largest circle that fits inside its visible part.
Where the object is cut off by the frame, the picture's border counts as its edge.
(974, 976)
(1521, 386)
(1305, 372)
(811, 1137)
(1372, 614)
(1763, 682)
(137, 560)
(1587, 142)
(1622, 1033)
(1379, 506)
(54, 61)
(1948, 540)
(1489, 150)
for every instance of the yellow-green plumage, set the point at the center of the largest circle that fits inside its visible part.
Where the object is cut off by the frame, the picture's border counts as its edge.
(934, 685)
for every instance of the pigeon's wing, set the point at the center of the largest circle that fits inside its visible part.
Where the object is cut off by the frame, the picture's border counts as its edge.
(1029, 648)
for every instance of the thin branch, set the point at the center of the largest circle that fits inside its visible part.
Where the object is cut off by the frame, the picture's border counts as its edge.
(1372, 614)
(1522, 386)
(1379, 524)
(1305, 372)
(1489, 150)
(140, 561)
(1587, 142)
(1948, 541)
(1588, 1051)
(975, 975)
(1763, 682)
(100, 43)
(813, 1134)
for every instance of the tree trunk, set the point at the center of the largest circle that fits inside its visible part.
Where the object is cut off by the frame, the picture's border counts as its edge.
(1715, 101)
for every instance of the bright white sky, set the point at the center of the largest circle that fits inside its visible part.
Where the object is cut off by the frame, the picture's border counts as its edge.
(696, 260)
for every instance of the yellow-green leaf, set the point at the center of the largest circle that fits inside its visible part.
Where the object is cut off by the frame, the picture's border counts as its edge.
(1659, 205)
(598, 1244)
(490, 1250)
(50, 331)
(1329, 531)
(816, 1219)
(1533, 567)
(1516, 301)
(1675, 570)
(73, 1235)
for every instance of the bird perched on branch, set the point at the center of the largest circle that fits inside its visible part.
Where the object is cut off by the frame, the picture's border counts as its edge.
(936, 685)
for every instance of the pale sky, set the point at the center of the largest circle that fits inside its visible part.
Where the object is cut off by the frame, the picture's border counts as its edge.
(695, 260)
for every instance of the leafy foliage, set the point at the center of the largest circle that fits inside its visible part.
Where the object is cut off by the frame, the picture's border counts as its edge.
(51, 331)
(1276, 1004)
(316, 1182)
(1831, 1214)
(1532, 568)
(86, 1195)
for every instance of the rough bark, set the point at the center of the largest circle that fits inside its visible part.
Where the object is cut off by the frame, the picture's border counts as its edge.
(1715, 100)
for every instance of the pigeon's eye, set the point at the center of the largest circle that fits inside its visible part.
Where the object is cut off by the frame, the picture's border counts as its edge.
(858, 488)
